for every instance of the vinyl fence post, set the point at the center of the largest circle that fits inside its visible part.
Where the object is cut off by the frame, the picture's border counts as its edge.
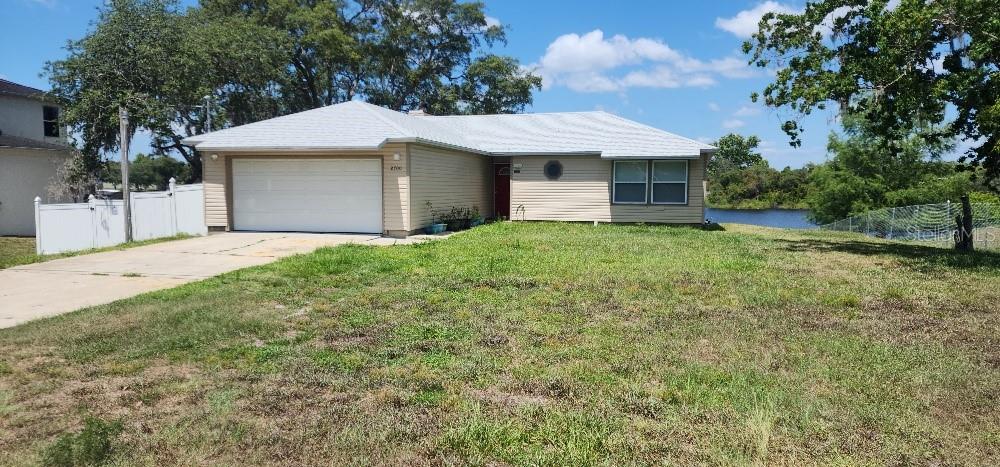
(94, 221)
(38, 225)
(172, 184)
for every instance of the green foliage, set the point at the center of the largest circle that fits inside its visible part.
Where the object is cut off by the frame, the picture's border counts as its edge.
(735, 152)
(149, 172)
(91, 446)
(867, 172)
(255, 60)
(404, 55)
(738, 177)
(75, 178)
(159, 63)
(493, 85)
(916, 65)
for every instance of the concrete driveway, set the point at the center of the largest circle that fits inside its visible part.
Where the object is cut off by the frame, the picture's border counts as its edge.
(59, 286)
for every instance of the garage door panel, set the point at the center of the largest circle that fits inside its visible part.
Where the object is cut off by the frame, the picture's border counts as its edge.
(313, 195)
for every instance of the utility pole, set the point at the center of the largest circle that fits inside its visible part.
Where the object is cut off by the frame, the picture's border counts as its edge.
(126, 196)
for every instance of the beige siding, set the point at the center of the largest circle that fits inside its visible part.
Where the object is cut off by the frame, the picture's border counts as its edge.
(395, 189)
(583, 193)
(213, 175)
(448, 179)
(217, 178)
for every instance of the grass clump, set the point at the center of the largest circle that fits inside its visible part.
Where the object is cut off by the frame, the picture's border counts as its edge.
(93, 445)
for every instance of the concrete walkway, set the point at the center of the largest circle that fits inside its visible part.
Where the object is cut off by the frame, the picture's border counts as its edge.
(59, 286)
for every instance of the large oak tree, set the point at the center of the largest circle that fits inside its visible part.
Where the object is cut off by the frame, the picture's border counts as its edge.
(902, 65)
(257, 59)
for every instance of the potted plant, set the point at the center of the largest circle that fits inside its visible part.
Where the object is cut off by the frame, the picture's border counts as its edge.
(456, 219)
(436, 226)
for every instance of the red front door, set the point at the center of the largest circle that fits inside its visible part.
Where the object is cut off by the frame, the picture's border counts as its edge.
(501, 191)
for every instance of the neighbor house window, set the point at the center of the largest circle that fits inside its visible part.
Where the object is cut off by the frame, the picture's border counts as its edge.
(630, 182)
(50, 120)
(670, 182)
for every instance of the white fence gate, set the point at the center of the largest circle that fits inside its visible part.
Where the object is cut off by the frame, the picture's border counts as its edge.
(100, 223)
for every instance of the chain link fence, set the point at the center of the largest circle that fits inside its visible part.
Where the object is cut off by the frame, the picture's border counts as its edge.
(932, 223)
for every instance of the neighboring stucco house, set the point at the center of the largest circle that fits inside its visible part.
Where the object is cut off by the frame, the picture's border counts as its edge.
(356, 167)
(32, 145)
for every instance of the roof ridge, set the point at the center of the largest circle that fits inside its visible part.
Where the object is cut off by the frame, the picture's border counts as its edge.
(384, 119)
(572, 112)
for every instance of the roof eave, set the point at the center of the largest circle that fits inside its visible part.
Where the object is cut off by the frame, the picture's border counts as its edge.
(430, 142)
(35, 148)
(317, 149)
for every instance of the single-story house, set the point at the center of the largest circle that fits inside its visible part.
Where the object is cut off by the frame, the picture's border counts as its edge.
(357, 167)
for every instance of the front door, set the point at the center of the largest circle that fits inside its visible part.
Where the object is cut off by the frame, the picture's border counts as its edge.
(501, 191)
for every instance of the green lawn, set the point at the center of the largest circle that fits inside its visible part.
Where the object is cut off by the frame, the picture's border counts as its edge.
(16, 250)
(530, 344)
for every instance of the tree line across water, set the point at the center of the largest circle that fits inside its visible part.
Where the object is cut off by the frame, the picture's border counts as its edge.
(860, 174)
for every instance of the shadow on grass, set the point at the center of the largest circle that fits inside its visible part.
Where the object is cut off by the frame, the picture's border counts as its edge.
(919, 256)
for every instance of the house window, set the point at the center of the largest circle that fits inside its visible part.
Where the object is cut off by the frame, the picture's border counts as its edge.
(670, 182)
(630, 182)
(50, 120)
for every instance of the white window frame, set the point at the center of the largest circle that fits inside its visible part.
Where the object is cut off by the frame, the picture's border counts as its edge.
(653, 182)
(614, 183)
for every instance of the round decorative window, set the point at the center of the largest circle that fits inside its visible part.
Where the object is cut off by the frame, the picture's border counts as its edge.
(553, 170)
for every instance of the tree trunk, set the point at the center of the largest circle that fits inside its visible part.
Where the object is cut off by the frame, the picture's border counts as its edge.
(963, 234)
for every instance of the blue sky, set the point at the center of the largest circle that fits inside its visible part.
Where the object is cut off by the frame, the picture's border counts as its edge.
(672, 65)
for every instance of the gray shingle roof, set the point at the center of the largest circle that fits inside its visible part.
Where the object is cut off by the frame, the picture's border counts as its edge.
(358, 125)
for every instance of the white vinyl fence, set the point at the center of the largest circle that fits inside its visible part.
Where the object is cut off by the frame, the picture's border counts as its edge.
(99, 222)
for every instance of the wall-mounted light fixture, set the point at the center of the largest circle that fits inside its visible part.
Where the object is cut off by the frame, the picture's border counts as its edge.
(215, 156)
(395, 156)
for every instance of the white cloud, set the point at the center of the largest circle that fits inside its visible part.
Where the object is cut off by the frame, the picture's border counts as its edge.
(491, 21)
(714, 107)
(747, 111)
(745, 23)
(591, 51)
(592, 62)
(733, 123)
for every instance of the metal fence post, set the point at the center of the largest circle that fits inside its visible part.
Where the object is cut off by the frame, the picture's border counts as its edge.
(38, 225)
(172, 194)
(892, 223)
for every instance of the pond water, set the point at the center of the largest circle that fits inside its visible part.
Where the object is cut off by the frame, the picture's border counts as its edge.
(785, 218)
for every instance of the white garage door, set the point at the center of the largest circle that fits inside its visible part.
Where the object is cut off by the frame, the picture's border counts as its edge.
(307, 195)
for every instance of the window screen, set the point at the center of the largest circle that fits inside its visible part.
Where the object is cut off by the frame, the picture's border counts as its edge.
(670, 182)
(630, 181)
